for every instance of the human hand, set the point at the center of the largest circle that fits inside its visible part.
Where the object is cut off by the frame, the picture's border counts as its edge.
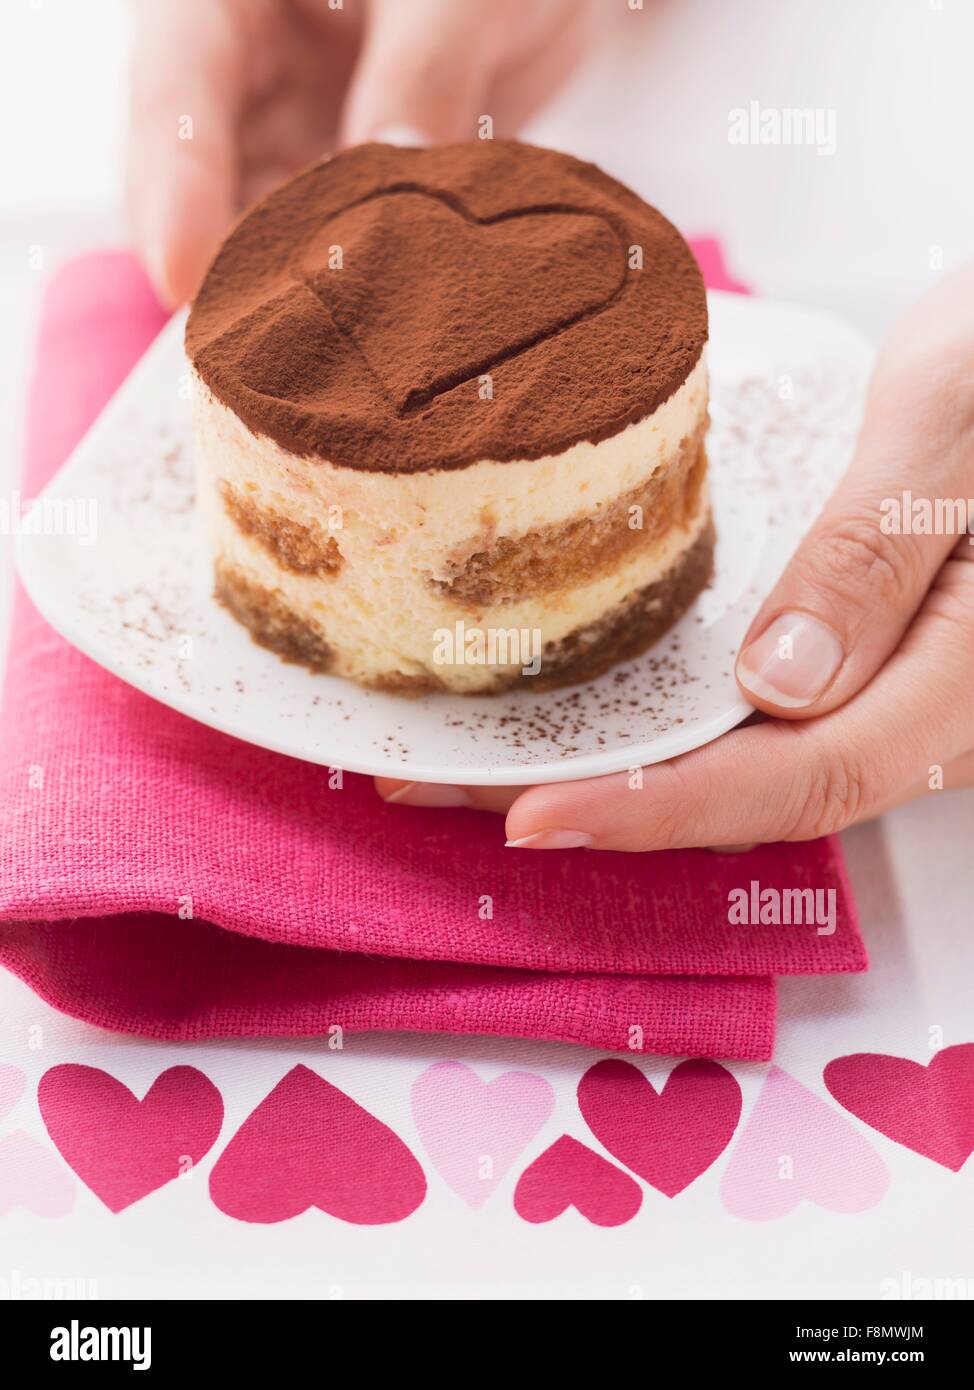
(231, 97)
(874, 705)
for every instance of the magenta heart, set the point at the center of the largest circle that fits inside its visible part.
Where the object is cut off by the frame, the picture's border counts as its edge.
(121, 1147)
(929, 1109)
(30, 1177)
(667, 1138)
(307, 1144)
(569, 1174)
(473, 1130)
(795, 1147)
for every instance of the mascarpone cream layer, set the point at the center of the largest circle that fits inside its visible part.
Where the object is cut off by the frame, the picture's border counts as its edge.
(430, 517)
(380, 614)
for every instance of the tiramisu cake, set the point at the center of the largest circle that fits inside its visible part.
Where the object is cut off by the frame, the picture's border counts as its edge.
(450, 408)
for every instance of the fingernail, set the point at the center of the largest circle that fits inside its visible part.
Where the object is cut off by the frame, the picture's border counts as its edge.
(792, 663)
(428, 794)
(401, 135)
(552, 839)
(733, 849)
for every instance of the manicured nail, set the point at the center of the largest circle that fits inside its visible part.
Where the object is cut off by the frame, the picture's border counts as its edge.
(792, 663)
(428, 794)
(553, 839)
(401, 135)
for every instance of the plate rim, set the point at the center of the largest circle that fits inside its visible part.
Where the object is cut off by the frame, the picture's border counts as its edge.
(603, 762)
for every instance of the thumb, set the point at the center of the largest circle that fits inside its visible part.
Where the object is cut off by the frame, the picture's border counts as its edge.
(855, 584)
(422, 74)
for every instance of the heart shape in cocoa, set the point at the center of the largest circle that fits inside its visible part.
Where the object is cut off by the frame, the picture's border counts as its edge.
(121, 1147)
(308, 1144)
(419, 268)
(929, 1109)
(569, 1174)
(670, 1137)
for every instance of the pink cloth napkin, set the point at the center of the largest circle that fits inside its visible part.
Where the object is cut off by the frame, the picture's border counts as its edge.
(161, 878)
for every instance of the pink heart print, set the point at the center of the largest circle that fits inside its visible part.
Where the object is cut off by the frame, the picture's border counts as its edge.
(121, 1147)
(670, 1137)
(31, 1177)
(473, 1130)
(795, 1147)
(569, 1174)
(929, 1109)
(12, 1083)
(308, 1144)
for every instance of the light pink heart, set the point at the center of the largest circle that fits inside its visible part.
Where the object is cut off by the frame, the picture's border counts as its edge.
(794, 1147)
(12, 1083)
(31, 1177)
(473, 1130)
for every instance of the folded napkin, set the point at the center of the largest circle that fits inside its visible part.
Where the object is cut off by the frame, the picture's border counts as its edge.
(161, 878)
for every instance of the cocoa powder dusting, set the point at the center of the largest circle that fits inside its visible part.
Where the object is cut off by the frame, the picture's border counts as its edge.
(355, 313)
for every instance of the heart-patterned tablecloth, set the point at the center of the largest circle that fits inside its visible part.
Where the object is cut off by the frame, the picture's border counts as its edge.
(308, 1144)
(404, 1165)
